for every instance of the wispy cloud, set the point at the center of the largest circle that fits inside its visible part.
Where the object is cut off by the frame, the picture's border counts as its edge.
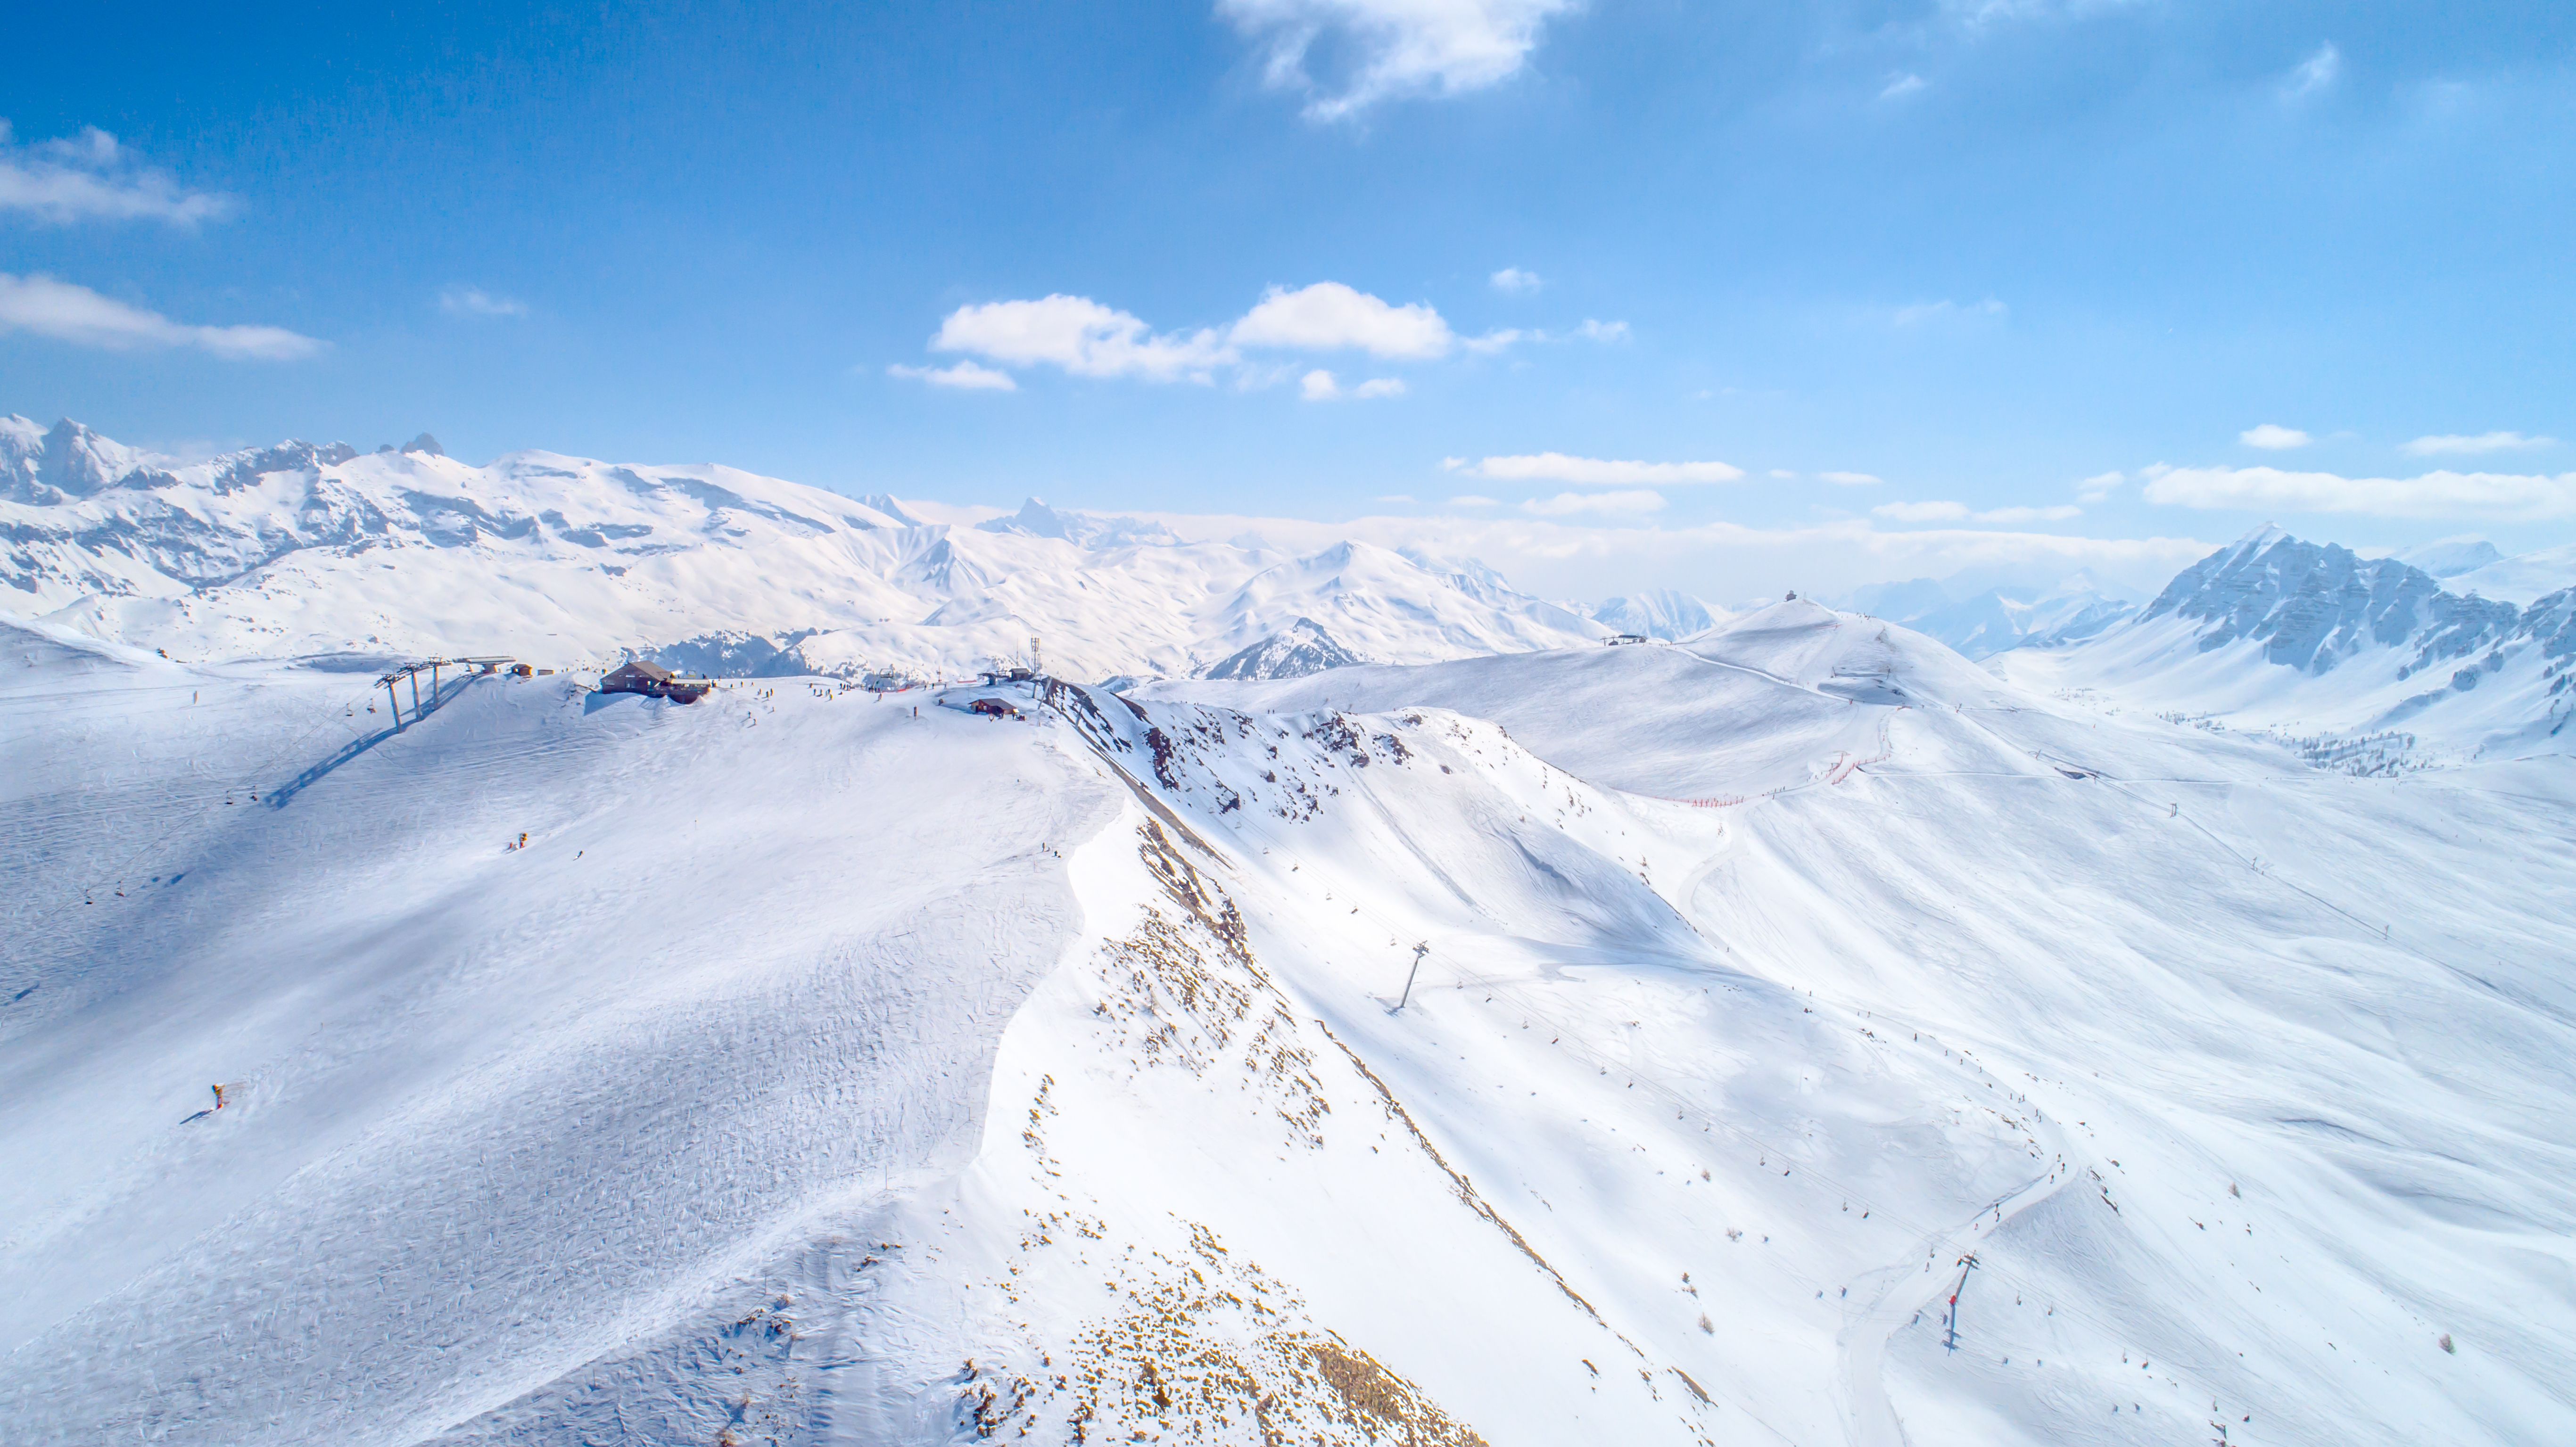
(1599, 331)
(1849, 479)
(966, 375)
(92, 177)
(1949, 512)
(2098, 486)
(72, 313)
(2453, 445)
(460, 300)
(2431, 495)
(1590, 554)
(1516, 281)
(1592, 471)
(2313, 74)
(1370, 51)
(1921, 512)
(1929, 313)
(1321, 386)
(1632, 501)
(2272, 437)
(1901, 85)
(1469, 499)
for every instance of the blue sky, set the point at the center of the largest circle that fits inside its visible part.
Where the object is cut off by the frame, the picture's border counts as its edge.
(1644, 274)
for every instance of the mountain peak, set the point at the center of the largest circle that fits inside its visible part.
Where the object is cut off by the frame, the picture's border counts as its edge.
(1034, 519)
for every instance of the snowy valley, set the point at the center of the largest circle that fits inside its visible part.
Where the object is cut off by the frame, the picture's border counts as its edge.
(1389, 1015)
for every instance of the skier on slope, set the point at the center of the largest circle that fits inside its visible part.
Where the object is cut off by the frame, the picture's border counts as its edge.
(219, 1097)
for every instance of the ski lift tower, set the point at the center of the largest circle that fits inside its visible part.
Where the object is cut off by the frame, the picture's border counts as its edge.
(1419, 951)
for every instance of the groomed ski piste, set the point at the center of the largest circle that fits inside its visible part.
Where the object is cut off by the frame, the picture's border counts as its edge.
(1815, 1040)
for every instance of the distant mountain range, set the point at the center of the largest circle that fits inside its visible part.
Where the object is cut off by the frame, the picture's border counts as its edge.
(324, 551)
(347, 558)
(1984, 623)
(2366, 662)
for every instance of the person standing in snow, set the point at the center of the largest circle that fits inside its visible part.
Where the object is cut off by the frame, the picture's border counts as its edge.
(219, 1097)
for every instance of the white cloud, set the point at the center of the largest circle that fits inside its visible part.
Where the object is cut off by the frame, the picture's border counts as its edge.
(1321, 386)
(2314, 73)
(1513, 279)
(1637, 500)
(1932, 312)
(92, 176)
(460, 300)
(1329, 316)
(1385, 49)
(1900, 86)
(1394, 497)
(1921, 512)
(2098, 486)
(1079, 335)
(1950, 512)
(2274, 438)
(967, 375)
(1592, 471)
(1849, 479)
(2432, 495)
(1783, 474)
(1596, 331)
(1469, 499)
(71, 313)
(1090, 339)
(2454, 445)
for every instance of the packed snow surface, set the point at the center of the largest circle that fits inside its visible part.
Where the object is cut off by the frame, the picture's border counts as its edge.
(1814, 1039)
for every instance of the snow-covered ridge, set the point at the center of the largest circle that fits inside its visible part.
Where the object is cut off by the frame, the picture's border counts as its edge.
(300, 550)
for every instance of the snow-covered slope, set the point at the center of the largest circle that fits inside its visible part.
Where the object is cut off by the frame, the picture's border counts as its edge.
(299, 550)
(2524, 578)
(1992, 1071)
(2373, 663)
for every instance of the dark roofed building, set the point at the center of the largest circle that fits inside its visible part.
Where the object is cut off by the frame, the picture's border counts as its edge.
(651, 680)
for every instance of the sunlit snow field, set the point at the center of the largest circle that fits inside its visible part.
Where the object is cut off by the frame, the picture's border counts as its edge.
(824, 1072)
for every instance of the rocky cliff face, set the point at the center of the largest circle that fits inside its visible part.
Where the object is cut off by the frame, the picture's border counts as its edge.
(2314, 605)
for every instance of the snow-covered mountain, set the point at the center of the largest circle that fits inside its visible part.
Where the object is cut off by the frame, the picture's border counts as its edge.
(2369, 662)
(1303, 647)
(2007, 616)
(1656, 613)
(2450, 557)
(2524, 578)
(1811, 1038)
(298, 550)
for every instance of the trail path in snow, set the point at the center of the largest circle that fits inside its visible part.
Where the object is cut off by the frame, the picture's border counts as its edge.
(1910, 1283)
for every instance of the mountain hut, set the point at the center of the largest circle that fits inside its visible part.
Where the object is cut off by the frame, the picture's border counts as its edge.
(651, 680)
